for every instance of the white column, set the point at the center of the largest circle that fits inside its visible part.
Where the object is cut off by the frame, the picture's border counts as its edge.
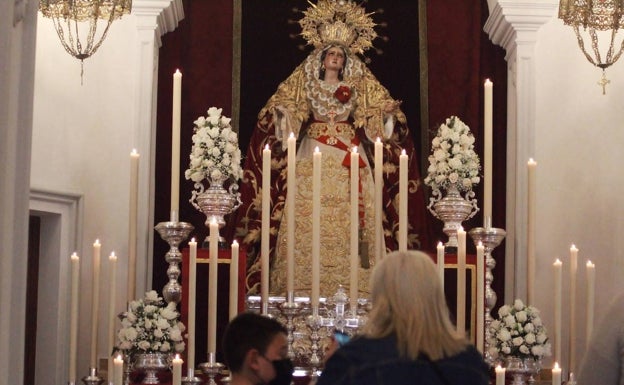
(514, 26)
(153, 19)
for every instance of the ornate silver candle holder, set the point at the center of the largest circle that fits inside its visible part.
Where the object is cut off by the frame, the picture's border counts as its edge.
(314, 321)
(92, 378)
(307, 331)
(452, 209)
(290, 309)
(190, 378)
(173, 233)
(215, 201)
(490, 238)
(211, 369)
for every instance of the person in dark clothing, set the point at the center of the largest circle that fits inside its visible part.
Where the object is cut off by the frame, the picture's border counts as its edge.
(409, 337)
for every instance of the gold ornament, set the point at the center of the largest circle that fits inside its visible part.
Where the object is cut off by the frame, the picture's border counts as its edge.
(338, 22)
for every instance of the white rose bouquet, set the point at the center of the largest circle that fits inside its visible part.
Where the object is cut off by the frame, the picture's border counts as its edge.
(453, 161)
(215, 154)
(151, 327)
(518, 332)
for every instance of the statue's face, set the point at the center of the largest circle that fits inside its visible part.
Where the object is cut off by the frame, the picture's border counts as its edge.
(334, 58)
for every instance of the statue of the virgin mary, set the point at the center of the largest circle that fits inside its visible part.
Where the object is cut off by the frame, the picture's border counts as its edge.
(331, 101)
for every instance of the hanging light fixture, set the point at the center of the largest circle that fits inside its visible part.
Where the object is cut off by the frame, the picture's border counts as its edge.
(78, 19)
(597, 18)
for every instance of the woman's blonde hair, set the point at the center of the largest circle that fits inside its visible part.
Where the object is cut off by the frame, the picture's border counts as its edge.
(408, 301)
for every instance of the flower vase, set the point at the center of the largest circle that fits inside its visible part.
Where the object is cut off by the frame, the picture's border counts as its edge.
(215, 201)
(521, 370)
(151, 364)
(452, 209)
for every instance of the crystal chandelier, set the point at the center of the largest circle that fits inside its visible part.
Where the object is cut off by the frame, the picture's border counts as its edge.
(78, 19)
(597, 18)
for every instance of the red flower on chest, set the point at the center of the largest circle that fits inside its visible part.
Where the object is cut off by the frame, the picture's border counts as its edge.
(343, 94)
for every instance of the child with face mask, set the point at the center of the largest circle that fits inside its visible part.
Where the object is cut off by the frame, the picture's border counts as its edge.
(256, 351)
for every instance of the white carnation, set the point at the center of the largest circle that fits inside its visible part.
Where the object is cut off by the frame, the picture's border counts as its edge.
(521, 316)
(144, 345)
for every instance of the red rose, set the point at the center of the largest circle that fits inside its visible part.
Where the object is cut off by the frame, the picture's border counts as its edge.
(343, 94)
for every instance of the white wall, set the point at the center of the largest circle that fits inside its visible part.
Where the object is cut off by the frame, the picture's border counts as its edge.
(579, 135)
(82, 139)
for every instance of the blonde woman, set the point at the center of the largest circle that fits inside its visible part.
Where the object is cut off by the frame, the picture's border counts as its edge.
(409, 338)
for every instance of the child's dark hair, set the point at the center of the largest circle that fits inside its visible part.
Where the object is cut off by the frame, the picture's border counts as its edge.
(245, 332)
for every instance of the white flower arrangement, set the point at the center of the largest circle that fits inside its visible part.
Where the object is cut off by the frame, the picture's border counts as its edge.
(215, 154)
(518, 332)
(453, 161)
(150, 327)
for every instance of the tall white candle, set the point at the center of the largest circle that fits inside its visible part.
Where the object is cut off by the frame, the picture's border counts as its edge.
(118, 370)
(461, 280)
(212, 287)
(234, 280)
(112, 298)
(379, 240)
(73, 319)
(572, 344)
(316, 228)
(440, 262)
(291, 191)
(403, 201)
(175, 144)
(266, 224)
(192, 304)
(591, 283)
(95, 302)
(500, 375)
(176, 370)
(557, 266)
(531, 165)
(133, 224)
(480, 332)
(487, 153)
(556, 374)
(353, 286)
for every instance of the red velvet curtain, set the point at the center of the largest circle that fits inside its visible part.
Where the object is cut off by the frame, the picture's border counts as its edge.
(460, 58)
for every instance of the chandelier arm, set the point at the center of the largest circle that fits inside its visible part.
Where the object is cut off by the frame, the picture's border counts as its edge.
(581, 44)
(61, 34)
(617, 55)
(110, 22)
(594, 42)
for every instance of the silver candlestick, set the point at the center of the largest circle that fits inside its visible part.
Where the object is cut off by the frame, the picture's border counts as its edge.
(314, 321)
(290, 309)
(173, 233)
(211, 369)
(190, 378)
(92, 378)
(490, 238)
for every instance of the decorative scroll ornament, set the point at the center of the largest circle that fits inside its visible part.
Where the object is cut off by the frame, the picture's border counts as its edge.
(338, 22)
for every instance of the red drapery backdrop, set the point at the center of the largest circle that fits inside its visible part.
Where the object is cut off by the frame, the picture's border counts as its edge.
(460, 58)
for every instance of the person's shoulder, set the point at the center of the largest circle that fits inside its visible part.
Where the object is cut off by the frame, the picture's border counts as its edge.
(468, 366)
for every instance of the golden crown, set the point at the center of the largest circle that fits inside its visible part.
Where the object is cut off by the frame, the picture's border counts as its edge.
(338, 22)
